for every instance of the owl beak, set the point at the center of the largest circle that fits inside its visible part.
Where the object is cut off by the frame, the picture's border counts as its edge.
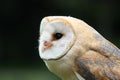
(46, 45)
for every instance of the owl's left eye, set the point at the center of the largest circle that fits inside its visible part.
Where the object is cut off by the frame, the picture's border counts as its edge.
(57, 36)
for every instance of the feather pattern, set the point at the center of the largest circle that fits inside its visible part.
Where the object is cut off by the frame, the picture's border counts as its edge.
(100, 62)
(81, 53)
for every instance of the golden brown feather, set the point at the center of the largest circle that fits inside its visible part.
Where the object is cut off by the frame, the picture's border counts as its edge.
(89, 57)
(100, 62)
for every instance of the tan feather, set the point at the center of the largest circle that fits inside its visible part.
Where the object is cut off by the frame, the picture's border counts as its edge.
(88, 57)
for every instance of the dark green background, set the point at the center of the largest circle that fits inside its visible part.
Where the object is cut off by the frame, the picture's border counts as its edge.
(19, 31)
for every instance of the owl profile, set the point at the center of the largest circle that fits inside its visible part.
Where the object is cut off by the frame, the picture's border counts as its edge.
(73, 50)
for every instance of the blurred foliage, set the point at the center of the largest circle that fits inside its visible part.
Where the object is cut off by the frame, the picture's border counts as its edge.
(26, 74)
(19, 28)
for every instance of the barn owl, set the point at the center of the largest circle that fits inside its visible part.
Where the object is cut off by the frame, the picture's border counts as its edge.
(73, 50)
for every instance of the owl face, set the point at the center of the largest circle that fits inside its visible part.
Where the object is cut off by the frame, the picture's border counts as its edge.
(56, 38)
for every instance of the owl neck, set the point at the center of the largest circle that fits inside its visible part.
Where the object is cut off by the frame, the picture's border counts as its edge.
(62, 69)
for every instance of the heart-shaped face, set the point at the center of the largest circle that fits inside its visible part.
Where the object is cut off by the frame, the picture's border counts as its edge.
(56, 38)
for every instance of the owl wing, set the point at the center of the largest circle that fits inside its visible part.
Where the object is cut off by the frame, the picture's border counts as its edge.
(99, 62)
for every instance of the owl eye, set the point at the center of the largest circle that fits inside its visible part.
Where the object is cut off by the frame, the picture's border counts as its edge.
(57, 36)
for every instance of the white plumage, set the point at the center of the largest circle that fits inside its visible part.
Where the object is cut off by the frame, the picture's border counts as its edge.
(75, 51)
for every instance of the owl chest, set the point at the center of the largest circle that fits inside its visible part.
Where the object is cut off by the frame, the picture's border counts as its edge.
(62, 69)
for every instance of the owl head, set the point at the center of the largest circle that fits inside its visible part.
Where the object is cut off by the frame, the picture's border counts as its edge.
(60, 35)
(56, 37)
